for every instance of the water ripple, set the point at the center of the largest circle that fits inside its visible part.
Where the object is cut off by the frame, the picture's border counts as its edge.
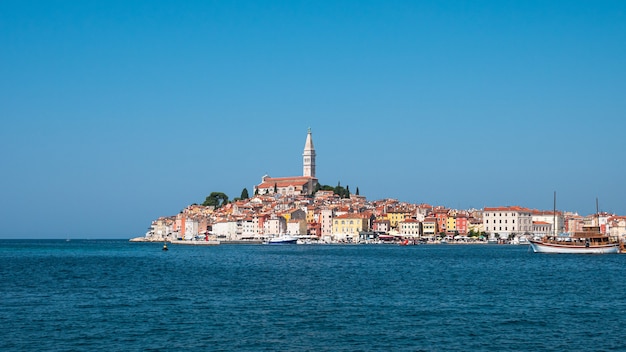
(112, 295)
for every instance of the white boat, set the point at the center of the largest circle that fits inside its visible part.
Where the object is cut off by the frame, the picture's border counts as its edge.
(590, 240)
(284, 239)
(579, 243)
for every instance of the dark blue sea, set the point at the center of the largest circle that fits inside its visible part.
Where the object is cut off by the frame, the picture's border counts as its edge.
(109, 295)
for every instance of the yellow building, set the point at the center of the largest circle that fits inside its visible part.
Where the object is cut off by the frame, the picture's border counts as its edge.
(451, 224)
(429, 227)
(310, 214)
(349, 224)
(395, 217)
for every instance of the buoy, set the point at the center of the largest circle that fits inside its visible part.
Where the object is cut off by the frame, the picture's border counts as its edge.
(165, 246)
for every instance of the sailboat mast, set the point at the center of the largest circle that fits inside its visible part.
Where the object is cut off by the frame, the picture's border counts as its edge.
(597, 214)
(554, 215)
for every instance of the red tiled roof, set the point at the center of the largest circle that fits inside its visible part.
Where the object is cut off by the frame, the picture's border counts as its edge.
(350, 216)
(283, 183)
(512, 208)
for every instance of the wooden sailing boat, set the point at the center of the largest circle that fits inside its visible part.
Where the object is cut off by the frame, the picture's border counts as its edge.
(589, 240)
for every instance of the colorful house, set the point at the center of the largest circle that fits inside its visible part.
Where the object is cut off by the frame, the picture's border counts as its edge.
(348, 226)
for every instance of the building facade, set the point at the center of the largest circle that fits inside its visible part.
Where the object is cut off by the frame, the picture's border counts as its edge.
(409, 227)
(507, 220)
(308, 157)
(348, 226)
(294, 185)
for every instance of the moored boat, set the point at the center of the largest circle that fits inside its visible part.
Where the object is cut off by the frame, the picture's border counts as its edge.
(578, 243)
(284, 239)
(591, 240)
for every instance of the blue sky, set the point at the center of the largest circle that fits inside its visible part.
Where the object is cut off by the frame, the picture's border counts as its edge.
(115, 113)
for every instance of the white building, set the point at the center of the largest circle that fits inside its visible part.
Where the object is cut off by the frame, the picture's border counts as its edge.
(296, 227)
(542, 228)
(617, 227)
(549, 217)
(191, 229)
(161, 228)
(275, 226)
(409, 227)
(507, 220)
(248, 228)
(383, 226)
(225, 230)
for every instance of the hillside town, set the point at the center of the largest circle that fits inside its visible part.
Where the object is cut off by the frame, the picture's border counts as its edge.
(297, 206)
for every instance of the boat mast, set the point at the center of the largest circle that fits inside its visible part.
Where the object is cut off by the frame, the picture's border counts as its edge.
(554, 216)
(597, 215)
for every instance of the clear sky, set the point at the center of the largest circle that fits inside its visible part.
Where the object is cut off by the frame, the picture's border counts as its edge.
(117, 112)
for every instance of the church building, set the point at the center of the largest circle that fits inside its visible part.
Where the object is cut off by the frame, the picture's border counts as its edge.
(295, 185)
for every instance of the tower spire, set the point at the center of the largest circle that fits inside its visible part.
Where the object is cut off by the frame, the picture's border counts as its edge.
(308, 157)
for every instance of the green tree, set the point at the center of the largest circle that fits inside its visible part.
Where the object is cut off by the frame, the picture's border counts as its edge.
(341, 192)
(338, 190)
(357, 191)
(216, 199)
(244, 194)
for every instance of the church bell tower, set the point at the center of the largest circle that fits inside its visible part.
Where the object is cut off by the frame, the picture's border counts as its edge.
(308, 157)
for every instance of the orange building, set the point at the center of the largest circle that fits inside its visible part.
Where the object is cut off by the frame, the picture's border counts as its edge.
(441, 215)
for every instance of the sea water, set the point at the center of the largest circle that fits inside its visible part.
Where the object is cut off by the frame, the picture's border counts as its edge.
(86, 295)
